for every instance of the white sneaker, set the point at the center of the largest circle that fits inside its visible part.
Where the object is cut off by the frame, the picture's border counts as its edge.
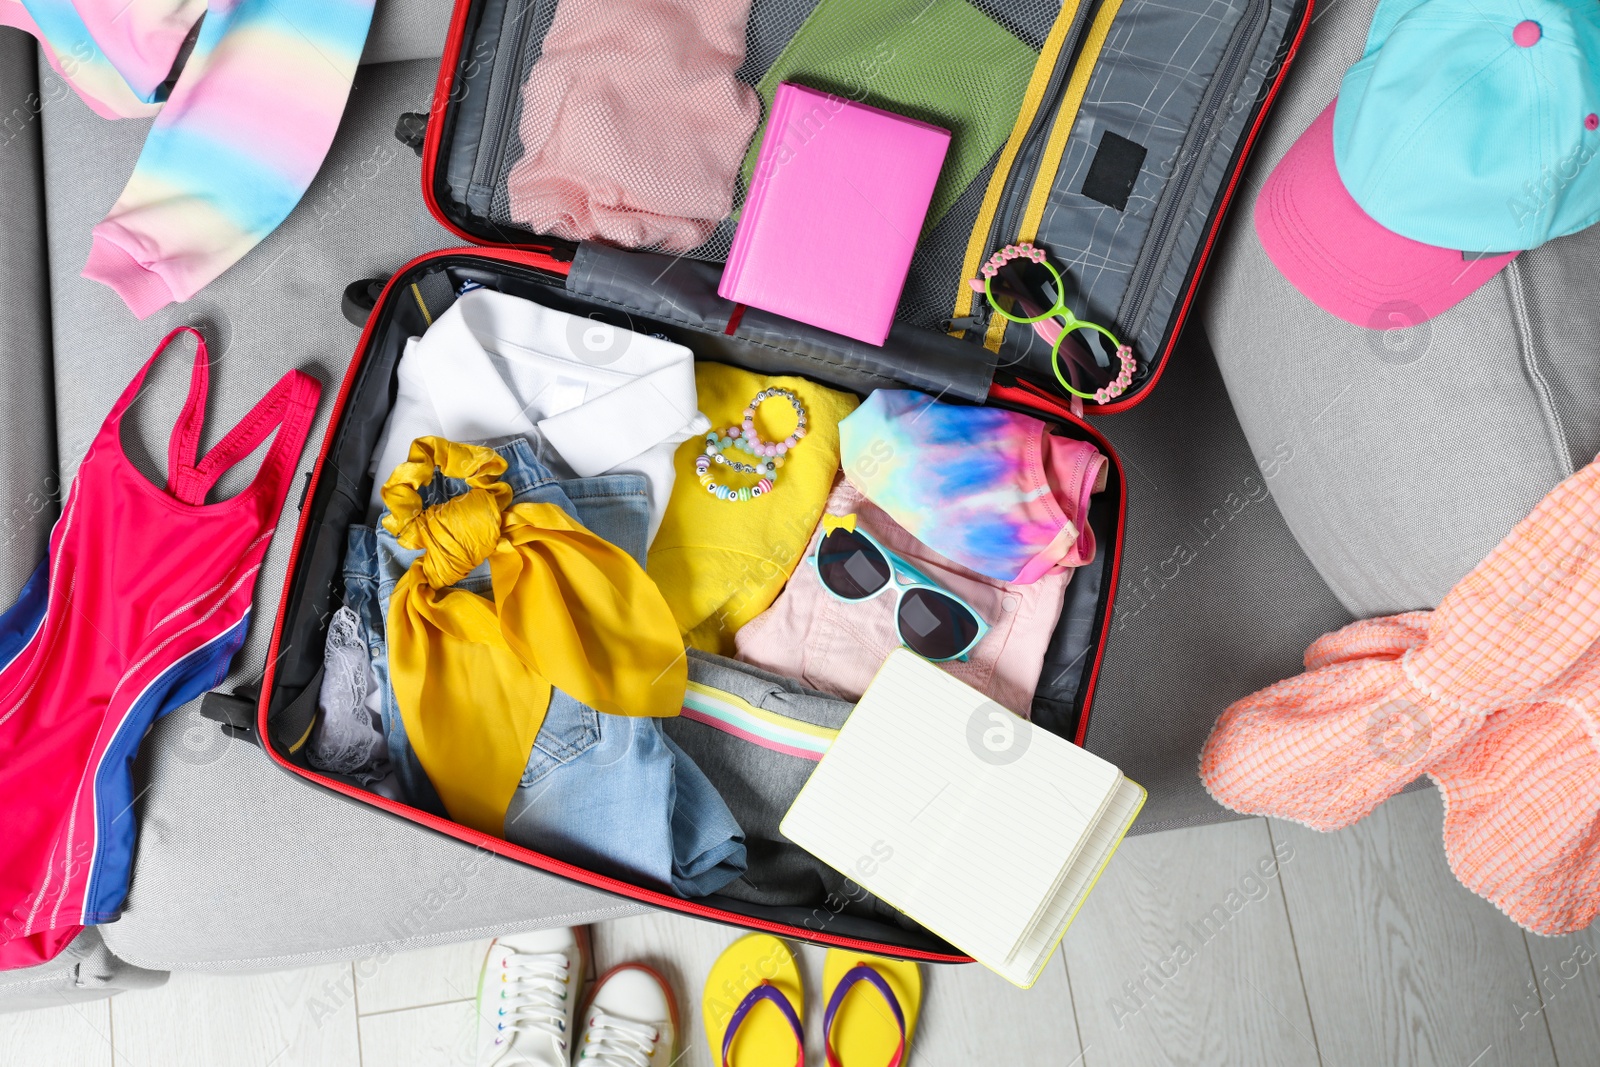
(527, 996)
(631, 1021)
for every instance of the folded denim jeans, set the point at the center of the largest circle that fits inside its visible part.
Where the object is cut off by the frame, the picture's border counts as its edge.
(609, 793)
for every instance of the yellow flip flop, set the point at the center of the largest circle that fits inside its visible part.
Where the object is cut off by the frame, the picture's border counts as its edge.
(753, 1004)
(872, 1009)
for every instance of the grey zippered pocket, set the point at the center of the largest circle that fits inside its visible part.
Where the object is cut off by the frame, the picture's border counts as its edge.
(500, 131)
(1177, 198)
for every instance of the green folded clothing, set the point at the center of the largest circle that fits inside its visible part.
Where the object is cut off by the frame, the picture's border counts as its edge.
(943, 62)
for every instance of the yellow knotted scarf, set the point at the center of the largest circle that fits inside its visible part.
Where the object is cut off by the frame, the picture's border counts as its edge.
(473, 676)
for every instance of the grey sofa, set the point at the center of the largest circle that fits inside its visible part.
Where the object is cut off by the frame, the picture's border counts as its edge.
(240, 867)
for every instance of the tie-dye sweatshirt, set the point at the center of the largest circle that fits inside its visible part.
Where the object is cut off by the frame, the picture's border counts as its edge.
(235, 143)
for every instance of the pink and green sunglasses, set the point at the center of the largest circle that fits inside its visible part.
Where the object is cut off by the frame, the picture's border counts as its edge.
(1023, 276)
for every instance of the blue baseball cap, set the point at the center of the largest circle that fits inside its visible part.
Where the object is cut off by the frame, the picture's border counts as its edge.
(1473, 125)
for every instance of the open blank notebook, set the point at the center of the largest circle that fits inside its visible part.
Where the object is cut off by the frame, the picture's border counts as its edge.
(984, 828)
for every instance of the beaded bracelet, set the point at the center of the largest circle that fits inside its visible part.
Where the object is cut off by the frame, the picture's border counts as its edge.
(716, 443)
(750, 439)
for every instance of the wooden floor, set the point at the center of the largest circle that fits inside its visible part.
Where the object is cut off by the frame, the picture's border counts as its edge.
(1247, 943)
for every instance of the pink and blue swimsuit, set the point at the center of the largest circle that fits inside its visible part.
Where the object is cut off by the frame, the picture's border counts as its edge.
(138, 608)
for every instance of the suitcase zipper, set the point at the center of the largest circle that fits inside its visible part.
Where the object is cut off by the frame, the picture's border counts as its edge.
(503, 85)
(1175, 203)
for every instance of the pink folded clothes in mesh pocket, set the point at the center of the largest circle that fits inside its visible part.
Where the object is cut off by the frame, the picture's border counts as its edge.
(633, 126)
(994, 490)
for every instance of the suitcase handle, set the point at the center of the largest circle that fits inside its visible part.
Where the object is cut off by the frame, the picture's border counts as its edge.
(234, 712)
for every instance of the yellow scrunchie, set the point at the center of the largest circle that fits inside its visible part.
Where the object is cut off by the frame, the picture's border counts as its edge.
(473, 676)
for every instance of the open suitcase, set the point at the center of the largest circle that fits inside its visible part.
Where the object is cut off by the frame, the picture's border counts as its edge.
(1135, 126)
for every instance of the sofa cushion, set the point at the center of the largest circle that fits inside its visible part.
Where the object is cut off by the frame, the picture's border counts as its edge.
(1414, 449)
(407, 29)
(238, 864)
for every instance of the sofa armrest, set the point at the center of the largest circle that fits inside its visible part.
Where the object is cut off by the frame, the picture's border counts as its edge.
(30, 493)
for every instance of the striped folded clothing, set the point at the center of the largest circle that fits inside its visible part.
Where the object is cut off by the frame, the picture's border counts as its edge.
(757, 737)
(238, 135)
(1495, 695)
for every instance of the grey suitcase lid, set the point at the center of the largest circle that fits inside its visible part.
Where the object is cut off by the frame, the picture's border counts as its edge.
(1135, 128)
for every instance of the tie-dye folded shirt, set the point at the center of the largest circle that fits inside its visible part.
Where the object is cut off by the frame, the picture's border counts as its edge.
(993, 490)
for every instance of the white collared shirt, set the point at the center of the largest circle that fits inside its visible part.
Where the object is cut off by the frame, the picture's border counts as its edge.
(607, 400)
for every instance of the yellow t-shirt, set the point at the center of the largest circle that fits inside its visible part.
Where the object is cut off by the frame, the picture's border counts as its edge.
(721, 563)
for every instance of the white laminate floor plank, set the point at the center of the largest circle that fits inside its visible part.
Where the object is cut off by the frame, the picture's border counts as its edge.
(72, 1035)
(1182, 956)
(1562, 995)
(443, 1035)
(971, 1015)
(968, 1014)
(304, 1018)
(419, 978)
(1402, 964)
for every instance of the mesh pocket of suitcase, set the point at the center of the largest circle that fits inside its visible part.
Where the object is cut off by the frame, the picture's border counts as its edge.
(338, 494)
(1122, 128)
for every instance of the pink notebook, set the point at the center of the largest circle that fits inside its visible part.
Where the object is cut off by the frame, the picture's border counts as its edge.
(836, 203)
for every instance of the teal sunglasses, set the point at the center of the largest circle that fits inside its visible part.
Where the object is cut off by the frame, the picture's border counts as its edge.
(931, 621)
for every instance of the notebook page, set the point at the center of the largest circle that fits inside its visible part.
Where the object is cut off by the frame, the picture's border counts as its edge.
(914, 801)
(1036, 947)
